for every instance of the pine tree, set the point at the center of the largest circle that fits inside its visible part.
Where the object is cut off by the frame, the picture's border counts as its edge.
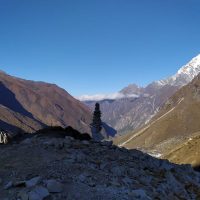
(96, 124)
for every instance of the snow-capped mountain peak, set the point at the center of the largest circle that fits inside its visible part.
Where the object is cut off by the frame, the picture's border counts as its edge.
(192, 68)
(184, 75)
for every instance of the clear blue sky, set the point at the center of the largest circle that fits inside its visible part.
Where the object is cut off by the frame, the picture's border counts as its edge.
(97, 46)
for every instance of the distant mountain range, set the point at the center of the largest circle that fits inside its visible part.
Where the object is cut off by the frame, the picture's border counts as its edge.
(28, 106)
(134, 106)
(174, 132)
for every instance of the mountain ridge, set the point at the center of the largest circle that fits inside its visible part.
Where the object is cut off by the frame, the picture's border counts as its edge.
(176, 123)
(186, 73)
(42, 103)
(139, 109)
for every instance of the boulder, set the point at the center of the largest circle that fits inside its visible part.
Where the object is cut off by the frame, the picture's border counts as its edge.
(33, 182)
(8, 185)
(140, 194)
(38, 193)
(54, 186)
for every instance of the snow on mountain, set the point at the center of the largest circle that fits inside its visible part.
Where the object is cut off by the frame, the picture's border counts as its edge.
(184, 75)
(127, 114)
(192, 68)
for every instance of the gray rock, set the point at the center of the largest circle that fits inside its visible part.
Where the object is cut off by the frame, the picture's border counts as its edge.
(85, 142)
(48, 143)
(27, 141)
(39, 193)
(33, 182)
(54, 186)
(103, 166)
(140, 194)
(81, 157)
(8, 185)
(134, 172)
(166, 165)
(107, 143)
(69, 161)
(59, 144)
(176, 185)
(69, 138)
(127, 181)
(67, 143)
(115, 182)
(91, 183)
(118, 171)
(82, 178)
(23, 195)
(71, 158)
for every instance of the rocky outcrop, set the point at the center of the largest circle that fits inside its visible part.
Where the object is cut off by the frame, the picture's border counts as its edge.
(66, 168)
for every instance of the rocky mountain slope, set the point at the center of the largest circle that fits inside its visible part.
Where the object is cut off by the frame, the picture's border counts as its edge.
(130, 113)
(188, 147)
(176, 124)
(133, 111)
(28, 106)
(44, 167)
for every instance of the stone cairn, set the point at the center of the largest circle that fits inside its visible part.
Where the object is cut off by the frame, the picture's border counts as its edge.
(3, 137)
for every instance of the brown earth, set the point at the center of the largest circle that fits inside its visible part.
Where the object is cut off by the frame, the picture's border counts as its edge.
(186, 152)
(178, 119)
(30, 105)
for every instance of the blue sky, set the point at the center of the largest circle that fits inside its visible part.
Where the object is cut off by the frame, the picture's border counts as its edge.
(97, 46)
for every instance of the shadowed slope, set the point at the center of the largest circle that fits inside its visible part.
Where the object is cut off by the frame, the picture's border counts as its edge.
(46, 103)
(15, 122)
(8, 99)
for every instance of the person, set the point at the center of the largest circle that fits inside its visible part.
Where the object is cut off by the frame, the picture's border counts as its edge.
(5, 138)
(1, 137)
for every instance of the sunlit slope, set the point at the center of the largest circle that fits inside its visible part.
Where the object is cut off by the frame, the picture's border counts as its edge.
(178, 119)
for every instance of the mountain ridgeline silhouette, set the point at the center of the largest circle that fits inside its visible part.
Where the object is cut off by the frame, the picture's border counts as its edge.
(139, 105)
(29, 106)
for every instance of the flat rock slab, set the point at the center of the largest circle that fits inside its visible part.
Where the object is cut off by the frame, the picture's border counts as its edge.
(54, 186)
(39, 193)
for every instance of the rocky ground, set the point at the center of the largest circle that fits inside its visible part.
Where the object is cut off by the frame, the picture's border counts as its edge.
(48, 168)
